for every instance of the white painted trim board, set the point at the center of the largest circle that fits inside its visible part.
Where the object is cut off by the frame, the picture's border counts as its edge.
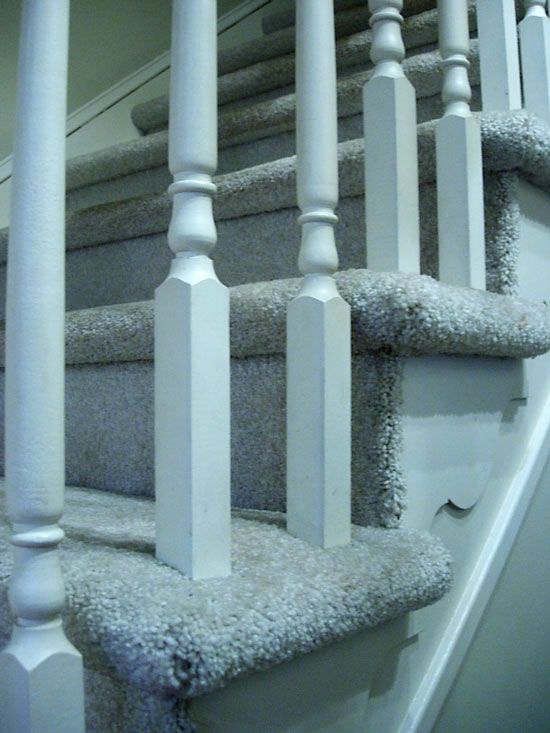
(432, 692)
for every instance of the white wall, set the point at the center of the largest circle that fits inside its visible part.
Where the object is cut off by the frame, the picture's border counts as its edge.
(109, 39)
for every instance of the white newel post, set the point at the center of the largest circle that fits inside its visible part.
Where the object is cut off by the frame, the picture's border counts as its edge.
(534, 36)
(41, 677)
(459, 162)
(192, 440)
(391, 159)
(498, 54)
(318, 321)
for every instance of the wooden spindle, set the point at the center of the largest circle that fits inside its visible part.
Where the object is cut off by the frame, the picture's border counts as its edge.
(41, 676)
(318, 323)
(534, 36)
(192, 441)
(391, 159)
(459, 162)
(498, 54)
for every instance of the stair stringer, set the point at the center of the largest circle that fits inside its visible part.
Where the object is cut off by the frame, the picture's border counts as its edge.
(517, 430)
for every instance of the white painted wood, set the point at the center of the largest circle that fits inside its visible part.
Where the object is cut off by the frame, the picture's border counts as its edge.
(41, 678)
(459, 632)
(192, 448)
(318, 322)
(534, 36)
(391, 157)
(460, 211)
(499, 54)
(453, 410)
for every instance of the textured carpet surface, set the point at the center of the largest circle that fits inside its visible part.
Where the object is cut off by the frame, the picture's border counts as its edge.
(269, 118)
(284, 597)
(109, 433)
(274, 73)
(272, 22)
(354, 14)
(151, 638)
(113, 706)
(511, 141)
(109, 388)
(392, 313)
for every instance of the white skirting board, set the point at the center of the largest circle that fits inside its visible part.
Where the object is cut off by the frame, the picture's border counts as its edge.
(467, 614)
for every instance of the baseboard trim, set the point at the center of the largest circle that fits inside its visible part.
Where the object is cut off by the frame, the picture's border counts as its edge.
(445, 664)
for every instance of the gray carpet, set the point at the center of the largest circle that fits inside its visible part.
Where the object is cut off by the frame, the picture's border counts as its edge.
(264, 121)
(109, 387)
(284, 18)
(186, 638)
(109, 433)
(352, 14)
(151, 638)
(511, 141)
(393, 313)
(269, 74)
(118, 252)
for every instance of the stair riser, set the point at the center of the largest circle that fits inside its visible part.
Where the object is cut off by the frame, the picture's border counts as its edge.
(276, 21)
(280, 144)
(263, 247)
(273, 75)
(109, 432)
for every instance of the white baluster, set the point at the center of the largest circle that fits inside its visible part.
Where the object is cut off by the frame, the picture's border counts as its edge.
(459, 163)
(192, 321)
(391, 159)
(41, 677)
(534, 36)
(318, 323)
(499, 55)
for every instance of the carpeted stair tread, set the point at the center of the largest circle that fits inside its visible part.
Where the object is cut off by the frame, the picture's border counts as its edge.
(284, 18)
(392, 313)
(512, 141)
(352, 13)
(241, 124)
(278, 72)
(281, 42)
(143, 622)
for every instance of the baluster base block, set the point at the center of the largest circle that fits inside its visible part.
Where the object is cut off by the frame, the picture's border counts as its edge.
(391, 175)
(41, 687)
(318, 419)
(498, 52)
(460, 210)
(534, 35)
(192, 420)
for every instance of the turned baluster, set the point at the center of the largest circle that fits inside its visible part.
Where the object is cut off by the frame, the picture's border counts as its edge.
(459, 163)
(498, 54)
(391, 159)
(41, 677)
(192, 450)
(534, 36)
(318, 322)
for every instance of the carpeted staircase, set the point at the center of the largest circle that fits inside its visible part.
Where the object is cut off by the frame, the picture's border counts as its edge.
(152, 639)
